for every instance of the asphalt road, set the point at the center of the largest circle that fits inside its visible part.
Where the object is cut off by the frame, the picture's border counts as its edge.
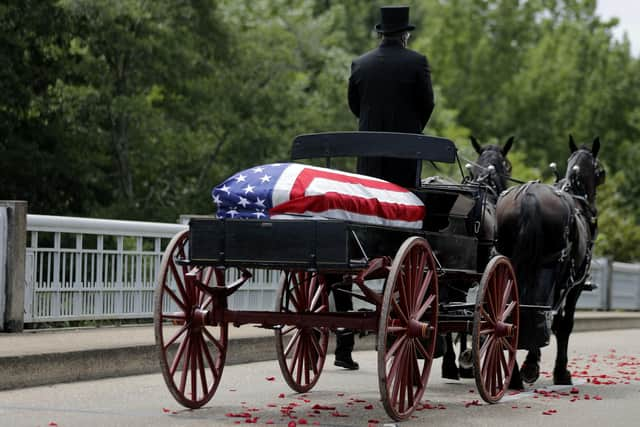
(606, 393)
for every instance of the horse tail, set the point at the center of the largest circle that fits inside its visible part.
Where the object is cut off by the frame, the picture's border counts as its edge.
(529, 243)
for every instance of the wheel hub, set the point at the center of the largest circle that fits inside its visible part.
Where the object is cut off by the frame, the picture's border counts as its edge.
(199, 317)
(504, 329)
(417, 329)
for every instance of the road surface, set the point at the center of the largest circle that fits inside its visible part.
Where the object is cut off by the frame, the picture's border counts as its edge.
(606, 393)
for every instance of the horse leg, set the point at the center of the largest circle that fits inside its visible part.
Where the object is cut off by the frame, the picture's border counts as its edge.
(531, 366)
(563, 326)
(515, 383)
(449, 367)
(465, 360)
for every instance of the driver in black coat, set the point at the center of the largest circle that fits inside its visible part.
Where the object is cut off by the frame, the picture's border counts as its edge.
(389, 91)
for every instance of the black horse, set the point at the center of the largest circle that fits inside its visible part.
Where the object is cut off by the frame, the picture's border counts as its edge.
(493, 169)
(548, 231)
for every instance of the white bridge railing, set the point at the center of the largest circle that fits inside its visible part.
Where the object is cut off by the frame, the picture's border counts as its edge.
(95, 269)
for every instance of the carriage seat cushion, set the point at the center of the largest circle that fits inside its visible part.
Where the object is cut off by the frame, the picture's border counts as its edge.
(293, 190)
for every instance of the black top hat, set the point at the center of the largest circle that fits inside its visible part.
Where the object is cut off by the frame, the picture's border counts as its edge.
(394, 19)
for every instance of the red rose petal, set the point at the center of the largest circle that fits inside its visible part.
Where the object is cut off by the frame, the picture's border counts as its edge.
(372, 421)
(302, 421)
(53, 423)
(574, 390)
(323, 407)
(472, 403)
(368, 406)
(281, 395)
(291, 424)
(269, 422)
(338, 414)
(165, 410)
(547, 413)
(270, 378)
(597, 397)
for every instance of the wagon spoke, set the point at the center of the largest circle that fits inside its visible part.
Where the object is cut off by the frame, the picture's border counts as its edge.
(507, 293)
(422, 350)
(293, 342)
(207, 354)
(215, 341)
(178, 356)
(425, 306)
(503, 361)
(396, 329)
(175, 298)
(485, 345)
(399, 312)
(185, 366)
(178, 315)
(321, 309)
(394, 347)
(194, 369)
(396, 373)
(486, 316)
(316, 297)
(287, 330)
(179, 282)
(402, 292)
(298, 360)
(508, 310)
(201, 367)
(425, 285)
(508, 345)
(176, 336)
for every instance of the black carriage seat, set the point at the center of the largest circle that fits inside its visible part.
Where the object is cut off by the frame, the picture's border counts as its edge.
(374, 144)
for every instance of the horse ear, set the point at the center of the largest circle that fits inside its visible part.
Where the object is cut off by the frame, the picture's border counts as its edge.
(596, 146)
(475, 144)
(507, 146)
(572, 144)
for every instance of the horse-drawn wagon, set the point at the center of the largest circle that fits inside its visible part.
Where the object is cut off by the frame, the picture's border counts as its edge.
(417, 264)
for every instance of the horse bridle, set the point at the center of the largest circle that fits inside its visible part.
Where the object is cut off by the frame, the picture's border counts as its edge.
(575, 185)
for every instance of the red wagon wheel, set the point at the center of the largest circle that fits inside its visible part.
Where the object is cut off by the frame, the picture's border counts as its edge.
(495, 329)
(408, 328)
(302, 350)
(192, 372)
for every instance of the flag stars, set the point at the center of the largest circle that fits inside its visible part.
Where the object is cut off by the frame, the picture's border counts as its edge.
(244, 202)
(225, 189)
(216, 199)
(231, 213)
(259, 169)
(260, 202)
(259, 213)
(248, 189)
(241, 178)
(265, 178)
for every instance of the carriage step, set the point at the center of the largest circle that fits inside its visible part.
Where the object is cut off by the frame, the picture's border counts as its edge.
(590, 286)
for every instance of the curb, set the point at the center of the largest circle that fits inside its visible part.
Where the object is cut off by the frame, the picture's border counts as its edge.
(59, 367)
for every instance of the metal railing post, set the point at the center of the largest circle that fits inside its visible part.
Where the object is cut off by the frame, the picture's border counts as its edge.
(12, 319)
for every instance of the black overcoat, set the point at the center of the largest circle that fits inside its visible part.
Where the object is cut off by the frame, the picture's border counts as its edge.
(390, 91)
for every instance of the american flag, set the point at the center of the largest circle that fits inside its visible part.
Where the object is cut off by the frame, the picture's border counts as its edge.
(286, 190)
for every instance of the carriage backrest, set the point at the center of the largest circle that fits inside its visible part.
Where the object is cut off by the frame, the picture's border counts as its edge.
(373, 144)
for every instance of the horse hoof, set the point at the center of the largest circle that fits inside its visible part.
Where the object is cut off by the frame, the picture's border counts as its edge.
(516, 383)
(562, 378)
(466, 372)
(450, 371)
(530, 372)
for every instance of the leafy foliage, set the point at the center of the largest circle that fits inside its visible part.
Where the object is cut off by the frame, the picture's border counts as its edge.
(136, 108)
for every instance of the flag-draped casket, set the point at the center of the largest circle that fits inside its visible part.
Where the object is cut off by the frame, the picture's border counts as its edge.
(286, 190)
